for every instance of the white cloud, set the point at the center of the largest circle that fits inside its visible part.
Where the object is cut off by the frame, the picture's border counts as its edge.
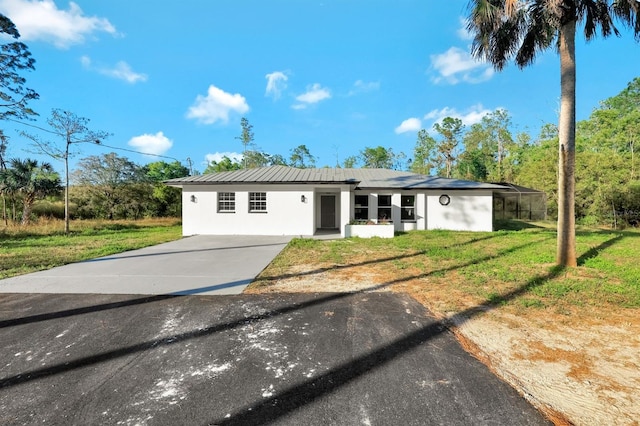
(314, 94)
(456, 65)
(471, 116)
(439, 114)
(462, 32)
(409, 125)
(151, 144)
(42, 20)
(216, 106)
(276, 84)
(217, 156)
(362, 87)
(121, 71)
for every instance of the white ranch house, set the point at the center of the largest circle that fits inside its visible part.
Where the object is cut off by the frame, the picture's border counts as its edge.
(281, 200)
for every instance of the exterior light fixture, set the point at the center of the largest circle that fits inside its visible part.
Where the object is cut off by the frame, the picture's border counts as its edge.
(444, 199)
(303, 199)
(194, 199)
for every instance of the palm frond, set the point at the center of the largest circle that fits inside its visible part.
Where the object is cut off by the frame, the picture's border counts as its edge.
(628, 11)
(506, 41)
(519, 29)
(506, 29)
(538, 37)
(595, 15)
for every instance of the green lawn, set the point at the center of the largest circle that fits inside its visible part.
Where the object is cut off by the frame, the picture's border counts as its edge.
(43, 246)
(458, 269)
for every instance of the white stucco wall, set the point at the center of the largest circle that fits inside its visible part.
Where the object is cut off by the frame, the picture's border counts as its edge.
(286, 214)
(467, 211)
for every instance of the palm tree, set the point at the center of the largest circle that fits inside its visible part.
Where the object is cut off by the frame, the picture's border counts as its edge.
(5, 189)
(519, 29)
(32, 180)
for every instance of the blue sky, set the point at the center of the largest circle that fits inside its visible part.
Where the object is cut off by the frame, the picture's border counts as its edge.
(175, 78)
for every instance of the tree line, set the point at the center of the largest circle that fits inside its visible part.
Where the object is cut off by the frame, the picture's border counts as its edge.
(106, 186)
(607, 186)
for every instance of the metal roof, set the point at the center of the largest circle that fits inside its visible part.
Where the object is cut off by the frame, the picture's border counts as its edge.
(362, 178)
(512, 187)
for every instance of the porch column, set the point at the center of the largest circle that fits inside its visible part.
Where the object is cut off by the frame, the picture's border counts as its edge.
(345, 209)
(421, 210)
(396, 215)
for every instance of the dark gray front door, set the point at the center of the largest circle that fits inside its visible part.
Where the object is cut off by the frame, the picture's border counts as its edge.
(327, 211)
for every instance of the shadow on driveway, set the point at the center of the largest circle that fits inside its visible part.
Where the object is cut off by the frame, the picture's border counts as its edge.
(312, 359)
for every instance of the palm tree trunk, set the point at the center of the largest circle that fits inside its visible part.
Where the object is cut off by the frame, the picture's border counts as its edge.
(27, 208)
(66, 186)
(566, 249)
(4, 210)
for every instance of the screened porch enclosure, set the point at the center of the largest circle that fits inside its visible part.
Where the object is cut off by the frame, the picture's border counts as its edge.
(519, 202)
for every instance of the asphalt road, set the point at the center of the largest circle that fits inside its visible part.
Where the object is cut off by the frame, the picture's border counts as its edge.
(289, 359)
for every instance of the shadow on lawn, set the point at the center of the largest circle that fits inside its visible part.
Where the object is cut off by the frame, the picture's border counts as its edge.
(288, 400)
(514, 225)
(595, 251)
(265, 280)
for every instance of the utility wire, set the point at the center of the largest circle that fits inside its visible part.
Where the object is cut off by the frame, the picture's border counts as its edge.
(34, 126)
(137, 152)
(99, 144)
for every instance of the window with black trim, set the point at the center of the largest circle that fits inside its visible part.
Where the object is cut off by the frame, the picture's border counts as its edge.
(362, 207)
(384, 207)
(257, 202)
(408, 208)
(226, 202)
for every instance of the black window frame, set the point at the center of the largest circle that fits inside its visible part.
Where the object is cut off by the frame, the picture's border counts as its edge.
(407, 211)
(384, 210)
(257, 202)
(226, 202)
(361, 211)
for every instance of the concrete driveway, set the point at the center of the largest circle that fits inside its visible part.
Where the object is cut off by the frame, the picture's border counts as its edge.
(194, 265)
(287, 359)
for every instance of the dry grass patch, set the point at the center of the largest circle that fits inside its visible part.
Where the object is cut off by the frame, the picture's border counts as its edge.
(43, 245)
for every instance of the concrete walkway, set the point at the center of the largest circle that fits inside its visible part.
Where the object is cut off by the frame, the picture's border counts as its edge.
(193, 265)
